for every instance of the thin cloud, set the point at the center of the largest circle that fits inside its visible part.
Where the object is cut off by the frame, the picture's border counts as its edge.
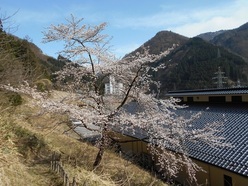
(230, 17)
(36, 17)
(125, 49)
(157, 20)
(191, 22)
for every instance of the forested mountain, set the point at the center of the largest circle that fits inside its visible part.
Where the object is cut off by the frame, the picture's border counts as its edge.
(22, 60)
(210, 35)
(162, 41)
(193, 64)
(235, 40)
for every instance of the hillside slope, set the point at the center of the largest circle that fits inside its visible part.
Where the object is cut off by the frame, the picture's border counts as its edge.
(161, 42)
(22, 60)
(208, 36)
(28, 139)
(194, 62)
(235, 40)
(193, 65)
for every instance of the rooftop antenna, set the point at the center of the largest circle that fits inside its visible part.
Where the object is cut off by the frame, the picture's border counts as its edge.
(220, 79)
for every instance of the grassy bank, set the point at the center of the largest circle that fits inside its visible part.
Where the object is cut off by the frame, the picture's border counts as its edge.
(28, 140)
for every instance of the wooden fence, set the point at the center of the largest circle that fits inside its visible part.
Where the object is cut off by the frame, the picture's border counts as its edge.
(56, 166)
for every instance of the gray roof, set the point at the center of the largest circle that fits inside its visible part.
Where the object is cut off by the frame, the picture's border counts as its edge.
(235, 131)
(84, 132)
(226, 91)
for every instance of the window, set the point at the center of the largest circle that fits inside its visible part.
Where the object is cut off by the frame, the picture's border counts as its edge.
(227, 180)
(236, 99)
(190, 99)
(107, 88)
(217, 99)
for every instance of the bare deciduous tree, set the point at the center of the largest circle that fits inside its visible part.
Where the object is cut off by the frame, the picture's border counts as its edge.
(6, 23)
(17, 61)
(10, 69)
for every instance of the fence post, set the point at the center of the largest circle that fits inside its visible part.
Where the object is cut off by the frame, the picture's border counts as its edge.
(61, 168)
(66, 180)
(53, 162)
(57, 167)
(75, 162)
(74, 182)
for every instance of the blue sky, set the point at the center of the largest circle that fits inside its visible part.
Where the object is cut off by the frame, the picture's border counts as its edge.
(130, 22)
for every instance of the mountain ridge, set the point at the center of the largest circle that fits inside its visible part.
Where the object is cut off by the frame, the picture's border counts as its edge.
(22, 60)
(185, 62)
(208, 36)
(193, 63)
(161, 42)
(235, 40)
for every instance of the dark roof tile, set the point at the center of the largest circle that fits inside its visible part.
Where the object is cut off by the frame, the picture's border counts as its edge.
(225, 91)
(235, 130)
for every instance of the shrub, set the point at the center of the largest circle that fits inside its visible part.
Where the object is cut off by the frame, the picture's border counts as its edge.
(15, 99)
(43, 85)
(28, 143)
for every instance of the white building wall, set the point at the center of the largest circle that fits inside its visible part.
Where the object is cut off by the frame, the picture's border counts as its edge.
(113, 87)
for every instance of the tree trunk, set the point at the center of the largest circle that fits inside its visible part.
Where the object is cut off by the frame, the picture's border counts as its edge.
(99, 156)
(101, 148)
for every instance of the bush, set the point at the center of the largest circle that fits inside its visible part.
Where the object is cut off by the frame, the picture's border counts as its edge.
(15, 99)
(43, 85)
(28, 143)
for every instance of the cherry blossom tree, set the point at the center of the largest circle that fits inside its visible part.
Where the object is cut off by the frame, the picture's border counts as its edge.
(83, 80)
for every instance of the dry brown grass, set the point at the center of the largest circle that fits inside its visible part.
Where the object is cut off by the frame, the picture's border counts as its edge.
(16, 168)
(25, 163)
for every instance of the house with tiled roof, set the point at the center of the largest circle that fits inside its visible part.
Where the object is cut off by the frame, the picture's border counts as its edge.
(225, 166)
(228, 166)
